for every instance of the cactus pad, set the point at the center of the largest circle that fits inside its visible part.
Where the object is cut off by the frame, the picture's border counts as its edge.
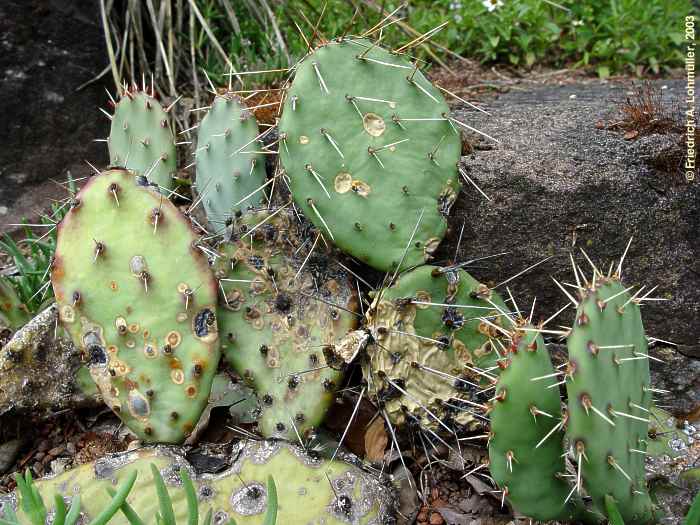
(142, 140)
(430, 354)
(303, 492)
(227, 170)
(525, 448)
(366, 143)
(276, 318)
(138, 298)
(609, 382)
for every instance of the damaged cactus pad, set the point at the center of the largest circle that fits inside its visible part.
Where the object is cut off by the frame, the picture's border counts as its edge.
(138, 298)
(435, 335)
(309, 490)
(371, 153)
(283, 303)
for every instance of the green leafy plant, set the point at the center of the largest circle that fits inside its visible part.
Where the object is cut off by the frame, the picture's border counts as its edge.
(32, 256)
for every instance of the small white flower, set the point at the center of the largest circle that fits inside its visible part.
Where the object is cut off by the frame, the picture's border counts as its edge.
(492, 5)
(458, 18)
(577, 23)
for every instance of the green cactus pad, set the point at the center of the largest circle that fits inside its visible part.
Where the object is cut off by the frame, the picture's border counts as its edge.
(523, 413)
(449, 340)
(274, 323)
(227, 171)
(608, 379)
(142, 140)
(138, 298)
(360, 170)
(240, 493)
(13, 313)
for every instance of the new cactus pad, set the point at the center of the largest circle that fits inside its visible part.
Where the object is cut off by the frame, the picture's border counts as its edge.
(434, 333)
(304, 493)
(138, 298)
(228, 167)
(370, 152)
(525, 445)
(283, 303)
(141, 138)
(609, 397)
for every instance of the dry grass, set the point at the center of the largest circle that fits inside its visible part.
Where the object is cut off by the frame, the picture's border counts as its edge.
(646, 111)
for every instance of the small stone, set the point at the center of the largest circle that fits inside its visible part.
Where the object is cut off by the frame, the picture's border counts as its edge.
(436, 519)
(38, 468)
(39, 456)
(70, 448)
(8, 454)
(57, 451)
(58, 466)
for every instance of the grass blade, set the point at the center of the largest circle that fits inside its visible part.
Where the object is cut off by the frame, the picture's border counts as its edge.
(129, 513)
(192, 505)
(164, 501)
(693, 516)
(117, 501)
(271, 514)
(614, 516)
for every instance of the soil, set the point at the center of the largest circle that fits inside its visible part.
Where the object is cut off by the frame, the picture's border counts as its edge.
(48, 49)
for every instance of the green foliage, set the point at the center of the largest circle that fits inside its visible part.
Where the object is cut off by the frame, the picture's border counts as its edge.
(32, 256)
(138, 298)
(632, 36)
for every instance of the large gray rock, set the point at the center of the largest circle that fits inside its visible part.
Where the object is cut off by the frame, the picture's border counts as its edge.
(40, 372)
(559, 183)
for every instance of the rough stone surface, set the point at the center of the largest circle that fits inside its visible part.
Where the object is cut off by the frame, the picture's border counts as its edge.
(39, 371)
(47, 50)
(558, 183)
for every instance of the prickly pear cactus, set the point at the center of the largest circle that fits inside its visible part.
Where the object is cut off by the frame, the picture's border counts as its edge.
(435, 334)
(228, 167)
(13, 313)
(370, 152)
(138, 298)
(279, 311)
(239, 493)
(525, 444)
(141, 138)
(609, 397)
